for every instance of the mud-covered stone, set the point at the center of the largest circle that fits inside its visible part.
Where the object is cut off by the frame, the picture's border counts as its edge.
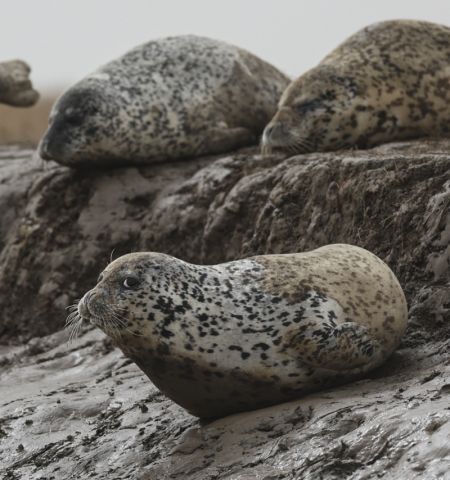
(84, 411)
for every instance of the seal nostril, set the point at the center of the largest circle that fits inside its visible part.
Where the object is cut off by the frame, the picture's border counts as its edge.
(275, 132)
(87, 298)
(43, 149)
(90, 295)
(268, 130)
(82, 309)
(48, 147)
(85, 305)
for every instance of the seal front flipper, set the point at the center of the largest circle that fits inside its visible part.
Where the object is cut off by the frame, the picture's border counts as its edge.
(347, 346)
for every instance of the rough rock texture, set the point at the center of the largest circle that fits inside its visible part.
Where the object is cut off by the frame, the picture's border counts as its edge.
(15, 86)
(83, 411)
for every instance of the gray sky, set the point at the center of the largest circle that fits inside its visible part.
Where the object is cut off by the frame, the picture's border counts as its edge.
(66, 39)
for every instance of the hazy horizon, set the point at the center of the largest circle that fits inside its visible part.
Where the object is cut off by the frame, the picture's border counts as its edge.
(65, 41)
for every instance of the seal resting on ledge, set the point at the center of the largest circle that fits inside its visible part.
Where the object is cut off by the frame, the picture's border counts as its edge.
(246, 334)
(171, 98)
(390, 81)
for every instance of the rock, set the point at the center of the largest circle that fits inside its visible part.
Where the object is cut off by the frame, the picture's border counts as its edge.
(85, 401)
(15, 86)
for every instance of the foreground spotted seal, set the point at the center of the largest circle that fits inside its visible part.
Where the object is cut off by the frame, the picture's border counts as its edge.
(390, 81)
(241, 335)
(170, 98)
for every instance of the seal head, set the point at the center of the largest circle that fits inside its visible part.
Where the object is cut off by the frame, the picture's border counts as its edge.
(313, 111)
(77, 128)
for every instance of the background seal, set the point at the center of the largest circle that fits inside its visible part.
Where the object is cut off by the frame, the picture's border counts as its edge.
(389, 81)
(171, 98)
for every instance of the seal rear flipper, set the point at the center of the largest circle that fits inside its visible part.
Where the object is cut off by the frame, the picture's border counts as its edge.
(336, 347)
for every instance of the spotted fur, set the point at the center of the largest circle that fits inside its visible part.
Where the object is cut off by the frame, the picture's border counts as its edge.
(389, 81)
(245, 334)
(171, 98)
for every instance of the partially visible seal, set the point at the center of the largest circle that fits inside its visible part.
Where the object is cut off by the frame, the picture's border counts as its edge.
(389, 81)
(250, 333)
(16, 88)
(171, 98)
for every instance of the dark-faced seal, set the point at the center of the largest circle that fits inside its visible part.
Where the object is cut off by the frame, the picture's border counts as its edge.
(390, 81)
(171, 98)
(250, 333)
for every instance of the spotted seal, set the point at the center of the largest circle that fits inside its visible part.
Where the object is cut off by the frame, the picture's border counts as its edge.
(389, 81)
(250, 333)
(171, 98)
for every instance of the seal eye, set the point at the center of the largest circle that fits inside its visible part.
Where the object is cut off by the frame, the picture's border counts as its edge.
(130, 282)
(308, 106)
(73, 118)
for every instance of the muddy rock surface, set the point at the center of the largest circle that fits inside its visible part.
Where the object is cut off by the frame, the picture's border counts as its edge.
(84, 411)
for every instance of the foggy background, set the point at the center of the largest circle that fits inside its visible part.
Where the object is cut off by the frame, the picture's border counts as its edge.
(65, 40)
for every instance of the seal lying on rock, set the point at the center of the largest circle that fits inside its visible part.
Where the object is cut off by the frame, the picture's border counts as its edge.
(170, 98)
(389, 81)
(250, 333)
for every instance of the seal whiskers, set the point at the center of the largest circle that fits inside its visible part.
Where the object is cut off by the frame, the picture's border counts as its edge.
(73, 324)
(108, 317)
(121, 321)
